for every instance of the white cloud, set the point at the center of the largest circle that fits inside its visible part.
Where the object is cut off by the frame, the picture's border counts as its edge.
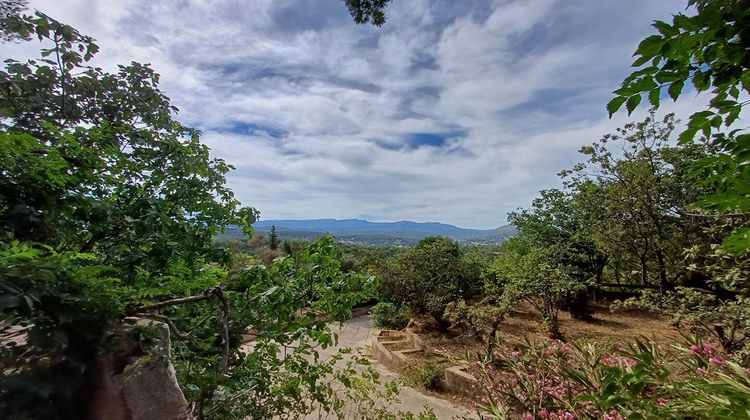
(520, 84)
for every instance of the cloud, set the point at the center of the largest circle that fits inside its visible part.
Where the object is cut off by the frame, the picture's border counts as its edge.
(453, 111)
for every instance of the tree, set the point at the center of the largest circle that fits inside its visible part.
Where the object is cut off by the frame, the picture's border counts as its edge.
(710, 49)
(563, 221)
(273, 238)
(525, 272)
(642, 187)
(368, 11)
(429, 276)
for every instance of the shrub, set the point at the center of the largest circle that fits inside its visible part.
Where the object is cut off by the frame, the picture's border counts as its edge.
(427, 375)
(429, 276)
(559, 380)
(388, 315)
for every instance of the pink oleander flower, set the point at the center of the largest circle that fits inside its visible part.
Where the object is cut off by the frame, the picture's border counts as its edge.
(609, 361)
(708, 347)
(695, 349)
(613, 415)
(515, 353)
(662, 401)
(528, 417)
(717, 361)
(543, 413)
(562, 415)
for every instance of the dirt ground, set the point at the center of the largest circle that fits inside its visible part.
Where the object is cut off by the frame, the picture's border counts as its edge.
(524, 321)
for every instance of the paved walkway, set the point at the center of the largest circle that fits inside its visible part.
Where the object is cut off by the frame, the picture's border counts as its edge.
(358, 334)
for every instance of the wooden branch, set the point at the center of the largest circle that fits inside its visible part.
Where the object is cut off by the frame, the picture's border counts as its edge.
(172, 302)
(219, 293)
(215, 292)
(172, 327)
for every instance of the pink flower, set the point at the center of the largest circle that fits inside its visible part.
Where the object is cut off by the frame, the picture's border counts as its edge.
(613, 415)
(717, 361)
(515, 353)
(695, 349)
(701, 371)
(543, 413)
(708, 347)
(662, 401)
(529, 417)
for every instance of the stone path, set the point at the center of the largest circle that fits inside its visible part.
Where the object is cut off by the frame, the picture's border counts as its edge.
(358, 334)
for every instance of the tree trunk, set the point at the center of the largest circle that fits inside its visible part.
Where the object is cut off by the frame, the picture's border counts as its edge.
(663, 281)
(644, 270)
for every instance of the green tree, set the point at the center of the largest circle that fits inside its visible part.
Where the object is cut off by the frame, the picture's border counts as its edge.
(525, 272)
(9, 12)
(368, 11)
(564, 221)
(273, 238)
(106, 202)
(707, 46)
(641, 187)
(429, 276)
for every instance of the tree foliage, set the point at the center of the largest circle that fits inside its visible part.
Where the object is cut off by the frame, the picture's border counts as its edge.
(9, 12)
(273, 239)
(525, 272)
(429, 276)
(638, 187)
(368, 11)
(709, 49)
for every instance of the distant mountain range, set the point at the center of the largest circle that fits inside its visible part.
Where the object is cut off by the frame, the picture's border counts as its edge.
(377, 233)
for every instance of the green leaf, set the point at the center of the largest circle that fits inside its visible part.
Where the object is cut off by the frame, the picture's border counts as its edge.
(615, 104)
(675, 89)
(654, 97)
(633, 103)
(650, 46)
(701, 81)
(666, 29)
(738, 242)
(688, 135)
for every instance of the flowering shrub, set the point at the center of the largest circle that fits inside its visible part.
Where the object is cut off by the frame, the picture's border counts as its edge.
(557, 380)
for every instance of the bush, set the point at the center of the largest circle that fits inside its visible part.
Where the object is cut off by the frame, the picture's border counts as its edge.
(557, 380)
(429, 276)
(427, 375)
(388, 315)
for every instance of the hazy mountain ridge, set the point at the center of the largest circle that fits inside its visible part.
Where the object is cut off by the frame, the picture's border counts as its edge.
(363, 231)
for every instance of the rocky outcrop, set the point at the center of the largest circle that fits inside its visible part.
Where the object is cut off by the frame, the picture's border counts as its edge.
(135, 379)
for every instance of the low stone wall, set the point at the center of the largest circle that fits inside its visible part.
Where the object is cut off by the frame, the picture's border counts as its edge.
(459, 381)
(392, 349)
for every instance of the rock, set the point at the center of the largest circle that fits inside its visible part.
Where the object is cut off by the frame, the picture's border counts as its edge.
(133, 383)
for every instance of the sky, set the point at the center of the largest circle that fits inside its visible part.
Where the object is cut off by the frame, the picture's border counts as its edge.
(453, 111)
